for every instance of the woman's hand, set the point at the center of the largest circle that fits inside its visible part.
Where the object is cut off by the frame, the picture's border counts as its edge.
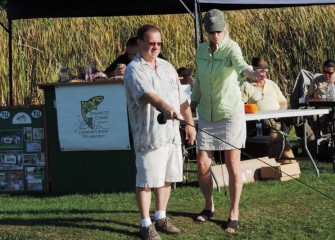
(254, 75)
(257, 77)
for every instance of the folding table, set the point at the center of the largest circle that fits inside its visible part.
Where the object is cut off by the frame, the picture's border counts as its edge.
(290, 113)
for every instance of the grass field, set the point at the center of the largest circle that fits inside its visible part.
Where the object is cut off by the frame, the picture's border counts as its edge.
(269, 210)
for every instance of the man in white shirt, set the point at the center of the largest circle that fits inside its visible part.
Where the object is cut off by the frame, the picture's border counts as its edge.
(268, 96)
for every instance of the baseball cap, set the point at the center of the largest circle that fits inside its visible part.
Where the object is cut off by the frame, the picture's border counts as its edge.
(214, 21)
(259, 63)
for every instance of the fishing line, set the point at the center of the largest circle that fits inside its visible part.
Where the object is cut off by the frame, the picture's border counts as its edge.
(224, 183)
(161, 120)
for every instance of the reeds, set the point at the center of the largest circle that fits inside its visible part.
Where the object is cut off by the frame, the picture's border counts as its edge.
(289, 39)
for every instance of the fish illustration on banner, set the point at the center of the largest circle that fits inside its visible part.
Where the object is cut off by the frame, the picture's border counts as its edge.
(88, 106)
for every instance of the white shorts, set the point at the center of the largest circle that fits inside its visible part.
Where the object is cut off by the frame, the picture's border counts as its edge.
(230, 133)
(155, 167)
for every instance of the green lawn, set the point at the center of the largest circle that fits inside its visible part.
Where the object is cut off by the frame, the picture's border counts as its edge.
(269, 210)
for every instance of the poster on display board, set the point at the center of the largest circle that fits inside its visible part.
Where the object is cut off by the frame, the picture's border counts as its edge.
(23, 165)
(94, 118)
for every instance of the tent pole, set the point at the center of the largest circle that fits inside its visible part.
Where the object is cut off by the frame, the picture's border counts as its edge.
(10, 62)
(196, 23)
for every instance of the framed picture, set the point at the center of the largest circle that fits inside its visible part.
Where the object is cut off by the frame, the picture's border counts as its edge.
(33, 173)
(11, 181)
(40, 159)
(27, 133)
(11, 138)
(38, 133)
(29, 159)
(34, 184)
(11, 160)
(33, 146)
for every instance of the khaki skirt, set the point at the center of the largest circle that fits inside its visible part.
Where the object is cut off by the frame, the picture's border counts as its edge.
(226, 134)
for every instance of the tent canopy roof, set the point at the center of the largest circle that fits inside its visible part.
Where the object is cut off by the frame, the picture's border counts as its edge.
(24, 9)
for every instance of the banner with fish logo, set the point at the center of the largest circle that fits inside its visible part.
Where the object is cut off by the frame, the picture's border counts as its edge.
(92, 117)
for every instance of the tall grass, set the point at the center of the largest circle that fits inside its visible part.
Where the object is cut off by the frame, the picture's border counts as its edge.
(289, 38)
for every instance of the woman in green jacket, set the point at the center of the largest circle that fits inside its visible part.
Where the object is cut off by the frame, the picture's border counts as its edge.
(216, 93)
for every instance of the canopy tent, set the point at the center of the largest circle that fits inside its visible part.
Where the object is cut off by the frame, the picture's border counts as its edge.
(23, 9)
(26, 9)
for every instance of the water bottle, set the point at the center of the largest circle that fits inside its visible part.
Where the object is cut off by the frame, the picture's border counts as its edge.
(331, 91)
(259, 129)
(88, 72)
(63, 72)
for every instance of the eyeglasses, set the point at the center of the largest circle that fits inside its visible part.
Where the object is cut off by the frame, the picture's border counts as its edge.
(152, 44)
(326, 72)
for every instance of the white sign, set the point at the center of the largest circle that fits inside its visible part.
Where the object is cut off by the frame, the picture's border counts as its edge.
(92, 117)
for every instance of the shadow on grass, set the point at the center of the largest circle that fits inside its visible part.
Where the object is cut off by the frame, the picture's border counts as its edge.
(54, 195)
(65, 211)
(188, 184)
(86, 223)
(193, 215)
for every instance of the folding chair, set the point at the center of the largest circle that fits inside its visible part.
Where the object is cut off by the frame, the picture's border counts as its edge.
(298, 101)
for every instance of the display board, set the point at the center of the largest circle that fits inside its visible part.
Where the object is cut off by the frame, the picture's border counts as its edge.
(23, 163)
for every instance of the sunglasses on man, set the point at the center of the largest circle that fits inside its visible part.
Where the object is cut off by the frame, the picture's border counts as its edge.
(327, 72)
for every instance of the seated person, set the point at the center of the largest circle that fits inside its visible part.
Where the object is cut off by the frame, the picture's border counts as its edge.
(186, 79)
(185, 75)
(319, 90)
(118, 67)
(267, 95)
(188, 82)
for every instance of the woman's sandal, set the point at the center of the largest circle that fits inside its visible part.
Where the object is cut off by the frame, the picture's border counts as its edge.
(205, 214)
(234, 224)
